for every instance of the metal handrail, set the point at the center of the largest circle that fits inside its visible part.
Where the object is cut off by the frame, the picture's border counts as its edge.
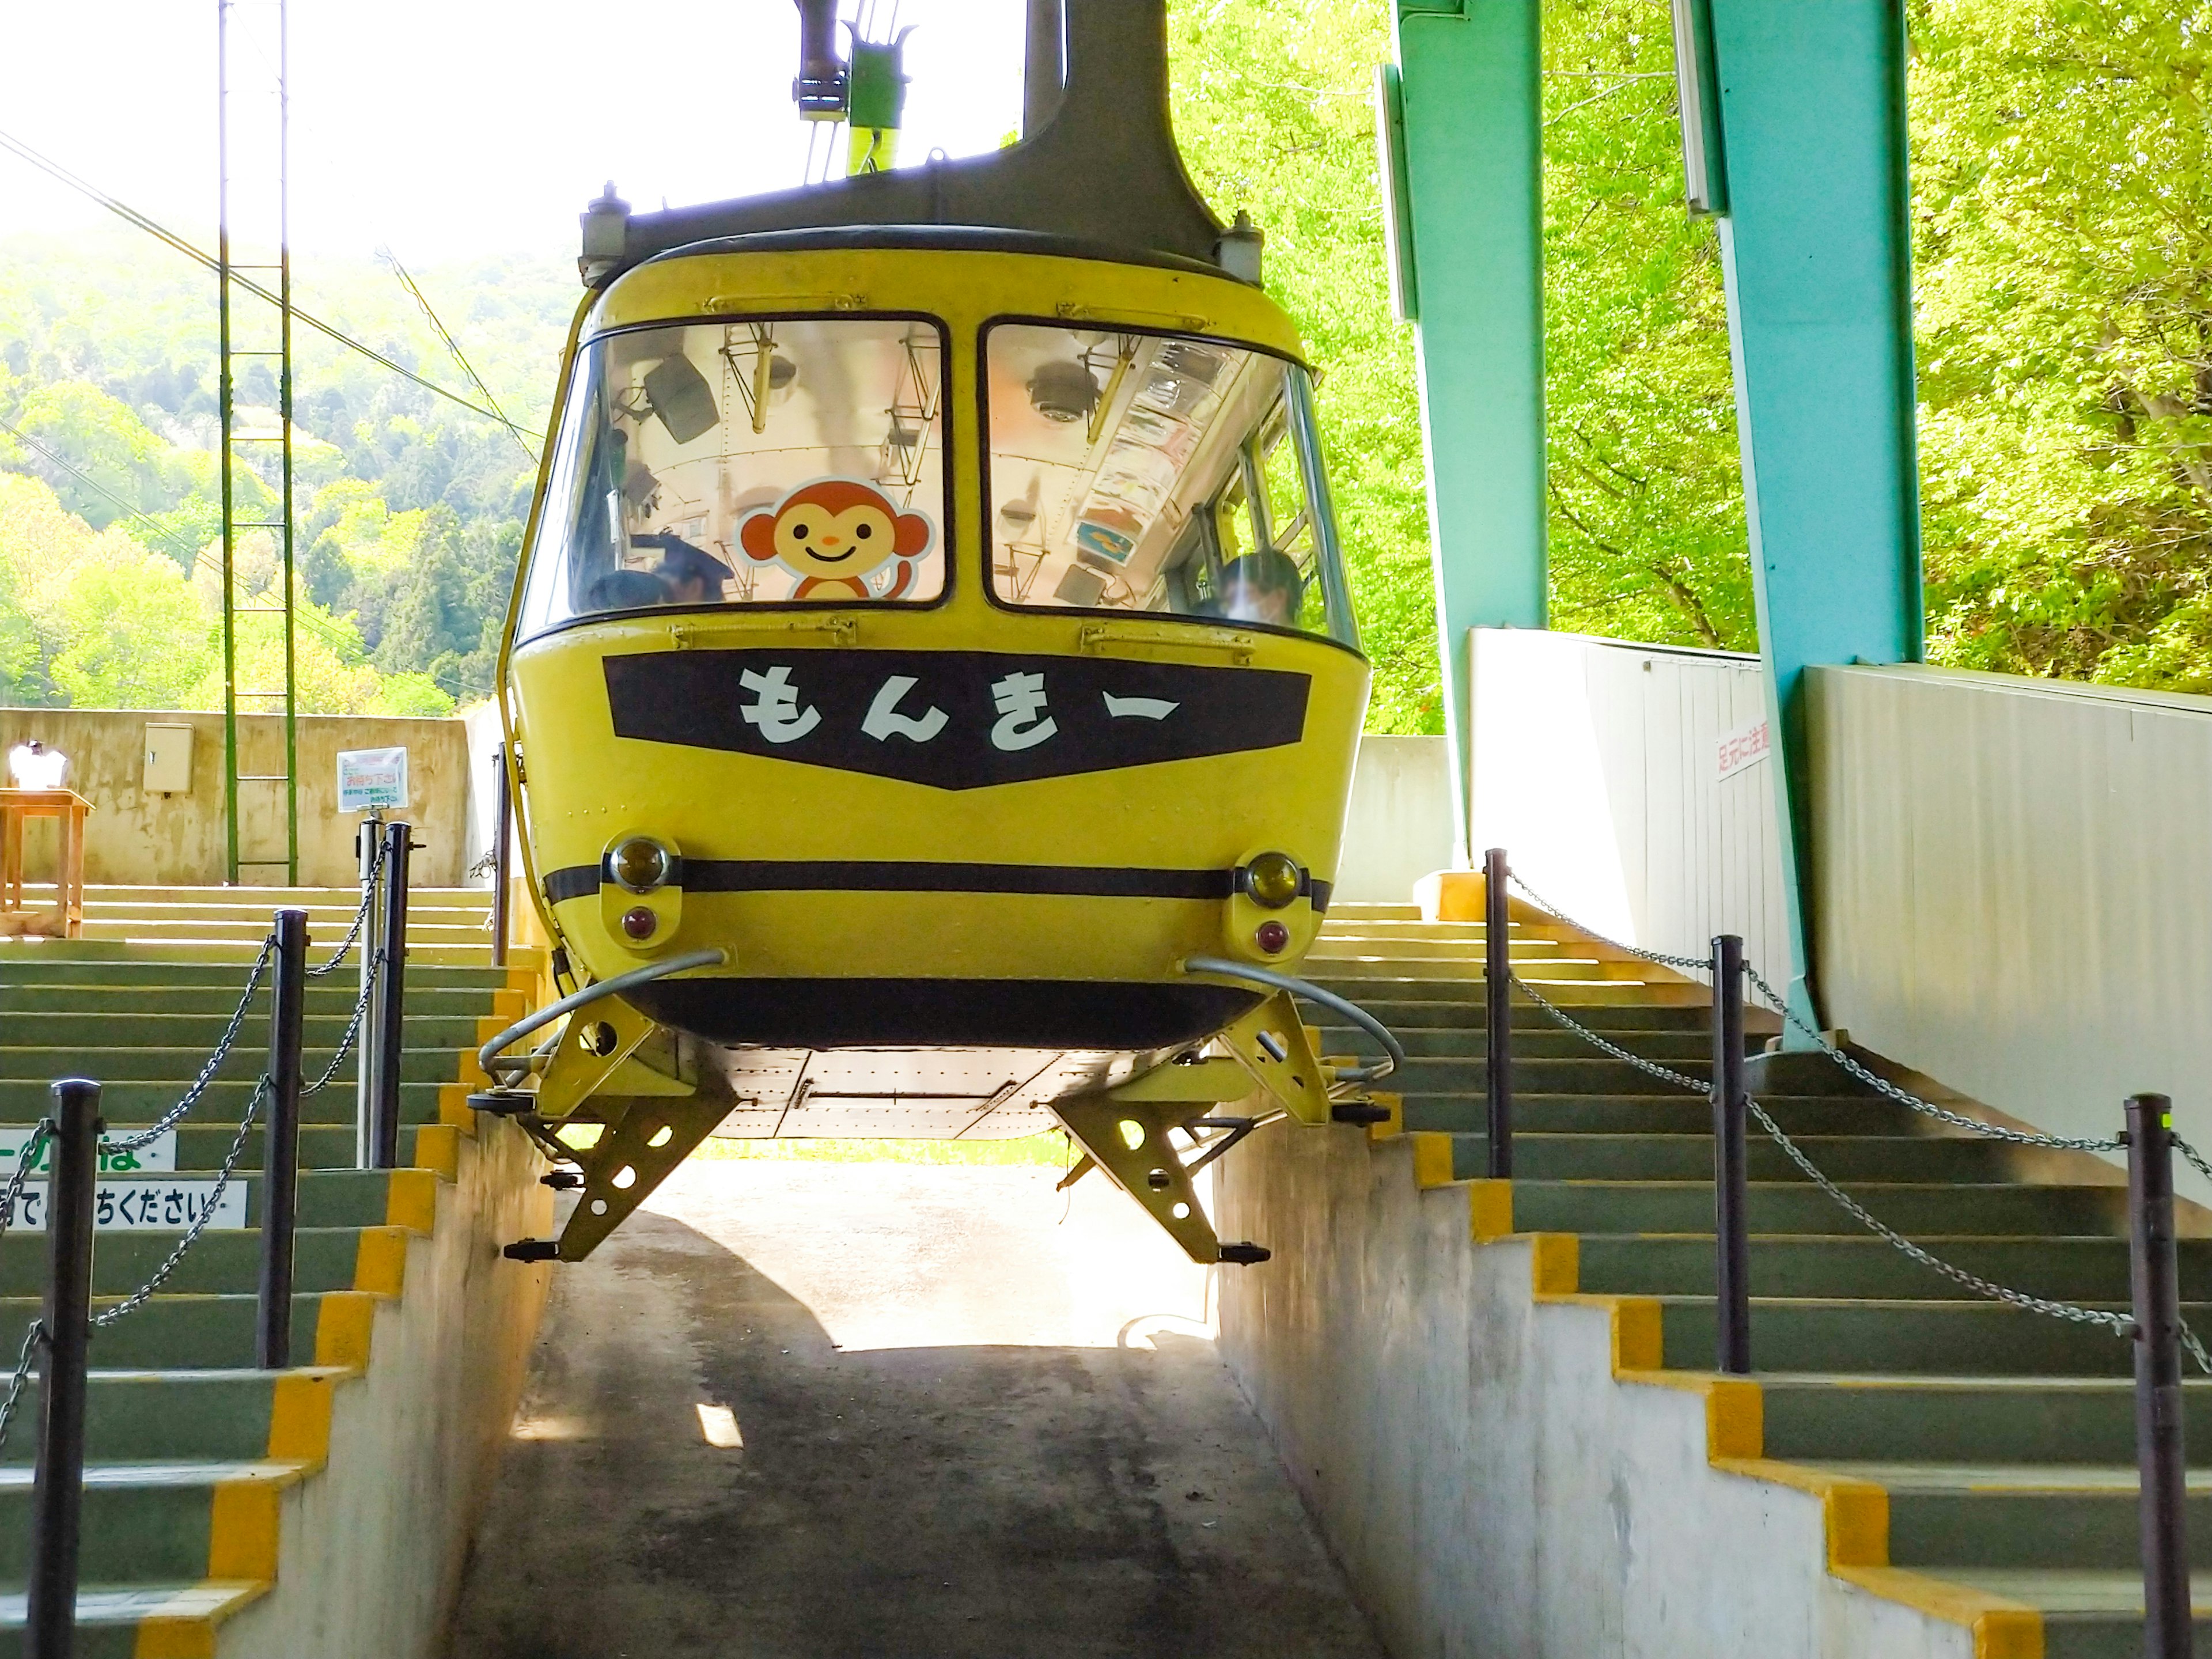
(487, 1056)
(1393, 1052)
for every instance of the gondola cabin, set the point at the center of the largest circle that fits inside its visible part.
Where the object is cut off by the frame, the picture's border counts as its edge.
(930, 641)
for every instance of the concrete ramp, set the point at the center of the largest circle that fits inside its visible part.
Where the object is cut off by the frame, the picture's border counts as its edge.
(796, 1410)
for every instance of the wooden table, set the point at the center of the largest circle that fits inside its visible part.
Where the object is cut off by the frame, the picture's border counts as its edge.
(67, 808)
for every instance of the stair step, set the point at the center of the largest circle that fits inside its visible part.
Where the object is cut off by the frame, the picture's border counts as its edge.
(177, 1333)
(1894, 1334)
(223, 1260)
(109, 1615)
(1985, 1209)
(142, 1521)
(1826, 1420)
(1859, 1264)
(2087, 1614)
(156, 1416)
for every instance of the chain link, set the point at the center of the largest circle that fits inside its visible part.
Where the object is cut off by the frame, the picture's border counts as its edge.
(176, 1113)
(360, 917)
(26, 1161)
(352, 1030)
(1664, 1073)
(145, 1293)
(1873, 1079)
(32, 1340)
(1882, 1085)
(2119, 1324)
(1689, 965)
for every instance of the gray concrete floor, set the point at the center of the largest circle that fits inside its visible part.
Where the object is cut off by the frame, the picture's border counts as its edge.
(978, 1418)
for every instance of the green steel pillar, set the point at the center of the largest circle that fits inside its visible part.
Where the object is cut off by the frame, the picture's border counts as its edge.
(1458, 114)
(1794, 127)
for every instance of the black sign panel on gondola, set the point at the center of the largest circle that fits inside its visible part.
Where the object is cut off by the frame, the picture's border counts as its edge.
(952, 719)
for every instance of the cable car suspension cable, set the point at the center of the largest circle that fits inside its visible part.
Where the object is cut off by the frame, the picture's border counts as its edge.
(131, 216)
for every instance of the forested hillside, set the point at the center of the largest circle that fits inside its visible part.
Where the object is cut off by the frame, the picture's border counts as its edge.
(410, 508)
(2062, 251)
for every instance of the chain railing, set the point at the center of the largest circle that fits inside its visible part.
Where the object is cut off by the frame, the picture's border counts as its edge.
(146, 1293)
(183, 1109)
(2119, 1324)
(2153, 1325)
(1849, 1063)
(360, 917)
(26, 1161)
(68, 1323)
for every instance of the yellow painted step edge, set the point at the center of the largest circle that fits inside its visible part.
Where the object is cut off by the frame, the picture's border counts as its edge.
(1855, 1513)
(247, 1518)
(190, 1636)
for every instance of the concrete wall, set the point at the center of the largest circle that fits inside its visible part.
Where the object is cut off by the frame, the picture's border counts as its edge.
(139, 839)
(1596, 767)
(2013, 888)
(1492, 1488)
(371, 1548)
(1398, 823)
(483, 739)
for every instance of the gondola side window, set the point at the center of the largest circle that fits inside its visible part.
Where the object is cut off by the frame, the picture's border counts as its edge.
(793, 460)
(1161, 473)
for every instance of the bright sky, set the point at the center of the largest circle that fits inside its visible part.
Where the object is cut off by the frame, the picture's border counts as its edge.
(449, 128)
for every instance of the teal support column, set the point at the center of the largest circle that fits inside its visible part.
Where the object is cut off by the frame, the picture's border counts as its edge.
(1459, 115)
(1804, 146)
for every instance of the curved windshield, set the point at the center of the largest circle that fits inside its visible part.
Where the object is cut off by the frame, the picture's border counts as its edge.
(793, 460)
(1164, 473)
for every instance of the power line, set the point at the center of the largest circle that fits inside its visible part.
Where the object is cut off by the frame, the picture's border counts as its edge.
(407, 281)
(130, 216)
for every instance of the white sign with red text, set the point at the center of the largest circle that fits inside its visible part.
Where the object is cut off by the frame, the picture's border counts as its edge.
(1746, 745)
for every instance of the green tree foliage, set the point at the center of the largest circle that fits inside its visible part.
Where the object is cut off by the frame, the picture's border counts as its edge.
(133, 634)
(1275, 115)
(409, 507)
(1646, 525)
(2063, 226)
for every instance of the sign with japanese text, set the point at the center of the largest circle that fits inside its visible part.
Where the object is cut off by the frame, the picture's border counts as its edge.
(146, 1206)
(1746, 746)
(372, 779)
(952, 719)
(157, 1156)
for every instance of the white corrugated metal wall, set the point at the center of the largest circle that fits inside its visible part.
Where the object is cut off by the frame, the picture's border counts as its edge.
(1597, 768)
(2013, 888)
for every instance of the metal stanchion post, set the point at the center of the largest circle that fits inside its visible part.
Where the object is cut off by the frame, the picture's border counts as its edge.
(2155, 1280)
(1497, 989)
(503, 832)
(369, 843)
(57, 1486)
(280, 1158)
(1731, 1193)
(391, 1001)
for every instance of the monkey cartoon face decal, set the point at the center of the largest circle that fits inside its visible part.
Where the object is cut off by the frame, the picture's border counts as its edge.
(842, 538)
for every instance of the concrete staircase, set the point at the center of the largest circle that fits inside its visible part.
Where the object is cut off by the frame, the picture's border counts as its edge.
(190, 1451)
(1975, 1460)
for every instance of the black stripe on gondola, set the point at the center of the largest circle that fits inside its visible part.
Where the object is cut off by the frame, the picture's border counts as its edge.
(894, 876)
(762, 876)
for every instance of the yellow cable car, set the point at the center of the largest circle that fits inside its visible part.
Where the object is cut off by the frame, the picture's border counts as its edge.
(932, 694)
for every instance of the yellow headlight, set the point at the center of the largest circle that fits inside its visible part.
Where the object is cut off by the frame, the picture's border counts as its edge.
(1273, 879)
(639, 863)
